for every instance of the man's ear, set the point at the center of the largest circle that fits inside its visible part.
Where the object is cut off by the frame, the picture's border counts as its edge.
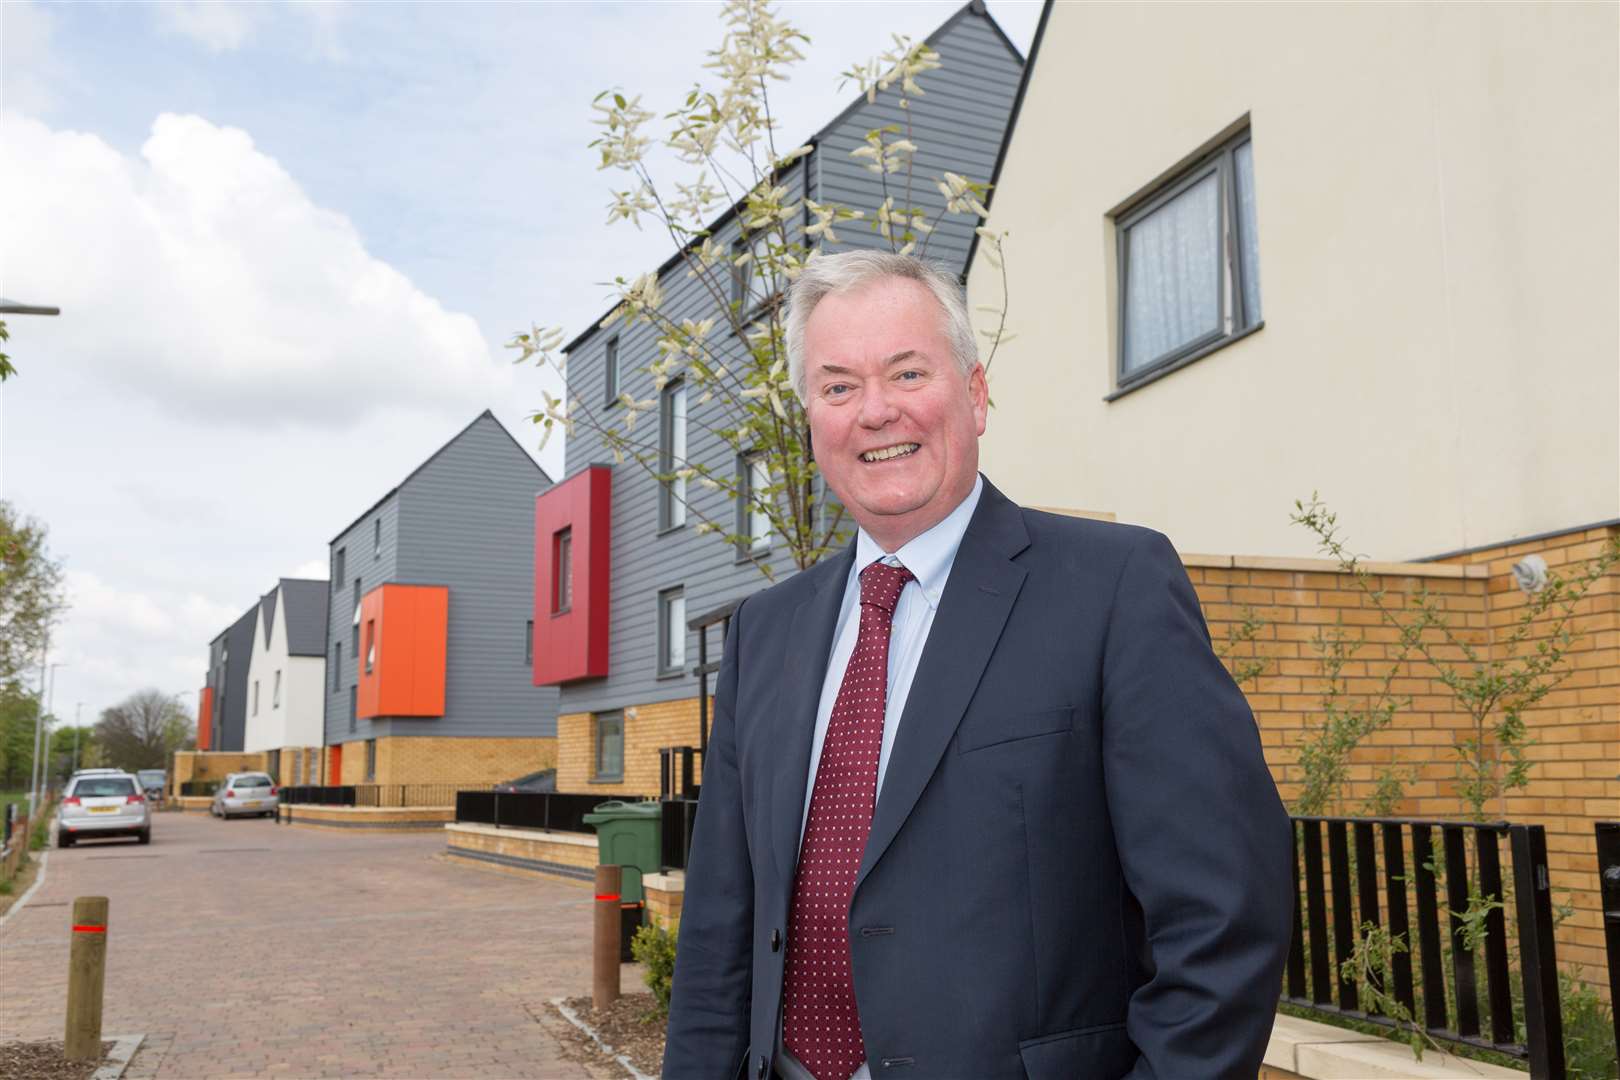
(979, 395)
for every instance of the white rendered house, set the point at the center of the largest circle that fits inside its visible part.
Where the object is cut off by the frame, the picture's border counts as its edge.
(287, 671)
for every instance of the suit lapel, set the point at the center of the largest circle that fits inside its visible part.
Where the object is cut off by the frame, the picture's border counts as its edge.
(809, 642)
(983, 585)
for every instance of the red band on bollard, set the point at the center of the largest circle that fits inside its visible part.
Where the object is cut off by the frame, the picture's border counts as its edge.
(607, 896)
(85, 929)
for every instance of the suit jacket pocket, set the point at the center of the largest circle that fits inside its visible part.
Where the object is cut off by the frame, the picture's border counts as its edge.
(1094, 1053)
(993, 729)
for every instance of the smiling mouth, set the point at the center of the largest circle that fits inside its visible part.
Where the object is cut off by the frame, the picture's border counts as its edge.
(889, 453)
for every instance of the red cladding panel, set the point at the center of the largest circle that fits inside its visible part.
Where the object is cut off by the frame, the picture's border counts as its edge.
(572, 643)
(205, 717)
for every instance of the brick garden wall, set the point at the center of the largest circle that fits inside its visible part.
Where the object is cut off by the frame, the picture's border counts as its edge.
(434, 759)
(646, 729)
(1575, 780)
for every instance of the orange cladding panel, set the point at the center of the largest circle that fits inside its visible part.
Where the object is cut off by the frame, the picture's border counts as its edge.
(403, 635)
(205, 718)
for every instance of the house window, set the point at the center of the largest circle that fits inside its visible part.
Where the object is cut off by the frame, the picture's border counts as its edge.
(255, 697)
(337, 565)
(371, 645)
(337, 666)
(1189, 266)
(671, 631)
(298, 768)
(562, 582)
(371, 760)
(751, 282)
(672, 455)
(376, 539)
(610, 745)
(610, 377)
(354, 721)
(528, 643)
(354, 634)
(753, 520)
(275, 692)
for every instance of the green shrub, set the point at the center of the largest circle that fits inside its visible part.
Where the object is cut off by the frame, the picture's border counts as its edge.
(1589, 1050)
(654, 948)
(39, 834)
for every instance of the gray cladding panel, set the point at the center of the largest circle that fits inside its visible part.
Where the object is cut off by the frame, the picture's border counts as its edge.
(958, 124)
(361, 560)
(303, 611)
(467, 522)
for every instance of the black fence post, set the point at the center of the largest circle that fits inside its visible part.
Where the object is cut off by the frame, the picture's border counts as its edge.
(1608, 847)
(1543, 1023)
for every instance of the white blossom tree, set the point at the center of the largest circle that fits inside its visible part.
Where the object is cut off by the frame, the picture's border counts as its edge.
(726, 137)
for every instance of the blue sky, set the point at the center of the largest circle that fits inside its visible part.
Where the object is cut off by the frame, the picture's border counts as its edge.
(289, 241)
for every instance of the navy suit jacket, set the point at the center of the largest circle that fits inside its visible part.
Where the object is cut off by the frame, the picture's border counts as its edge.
(1078, 865)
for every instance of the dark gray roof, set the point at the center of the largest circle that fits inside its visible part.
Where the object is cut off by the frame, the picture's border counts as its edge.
(267, 605)
(304, 609)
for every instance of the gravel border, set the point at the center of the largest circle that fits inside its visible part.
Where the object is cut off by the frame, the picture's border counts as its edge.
(118, 1058)
(560, 1004)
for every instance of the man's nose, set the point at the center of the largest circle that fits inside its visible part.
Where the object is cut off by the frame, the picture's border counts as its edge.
(877, 408)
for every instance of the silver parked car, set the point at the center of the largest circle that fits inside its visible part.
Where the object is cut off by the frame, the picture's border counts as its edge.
(246, 795)
(103, 804)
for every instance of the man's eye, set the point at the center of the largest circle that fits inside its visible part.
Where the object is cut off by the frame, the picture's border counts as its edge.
(910, 376)
(835, 389)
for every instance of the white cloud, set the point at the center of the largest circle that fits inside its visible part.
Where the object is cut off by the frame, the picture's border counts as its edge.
(313, 570)
(30, 69)
(201, 274)
(214, 24)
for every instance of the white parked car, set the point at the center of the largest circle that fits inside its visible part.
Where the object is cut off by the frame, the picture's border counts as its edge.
(246, 795)
(103, 803)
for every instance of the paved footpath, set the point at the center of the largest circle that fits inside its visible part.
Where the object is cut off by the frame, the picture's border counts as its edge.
(244, 948)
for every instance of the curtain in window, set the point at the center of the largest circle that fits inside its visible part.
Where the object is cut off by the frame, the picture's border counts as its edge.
(1248, 233)
(1173, 277)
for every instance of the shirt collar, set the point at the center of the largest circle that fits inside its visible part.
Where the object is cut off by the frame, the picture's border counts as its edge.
(928, 556)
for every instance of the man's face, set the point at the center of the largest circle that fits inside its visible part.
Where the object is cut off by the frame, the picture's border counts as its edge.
(894, 421)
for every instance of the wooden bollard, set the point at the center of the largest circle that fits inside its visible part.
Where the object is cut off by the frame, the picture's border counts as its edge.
(87, 971)
(605, 950)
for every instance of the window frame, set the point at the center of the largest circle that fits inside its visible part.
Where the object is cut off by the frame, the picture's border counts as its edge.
(672, 506)
(562, 570)
(371, 760)
(528, 643)
(665, 669)
(743, 277)
(275, 691)
(1220, 160)
(255, 697)
(750, 549)
(597, 719)
(340, 561)
(337, 666)
(371, 645)
(612, 373)
(376, 538)
(354, 708)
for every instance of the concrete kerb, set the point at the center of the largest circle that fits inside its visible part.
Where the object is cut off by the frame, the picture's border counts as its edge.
(39, 879)
(118, 1058)
(574, 1018)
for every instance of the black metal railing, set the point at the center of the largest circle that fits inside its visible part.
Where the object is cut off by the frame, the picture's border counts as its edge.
(1608, 851)
(556, 811)
(319, 794)
(1411, 876)
(679, 815)
(199, 787)
(407, 795)
(678, 772)
(721, 617)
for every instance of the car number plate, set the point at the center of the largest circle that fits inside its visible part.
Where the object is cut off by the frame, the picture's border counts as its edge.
(104, 809)
(250, 802)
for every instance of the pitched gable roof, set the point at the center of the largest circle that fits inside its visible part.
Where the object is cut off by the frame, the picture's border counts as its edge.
(486, 414)
(303, 605)
(268, 606)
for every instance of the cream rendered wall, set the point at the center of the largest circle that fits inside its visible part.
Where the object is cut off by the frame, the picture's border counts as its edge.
(297, 722)
(1438, 267)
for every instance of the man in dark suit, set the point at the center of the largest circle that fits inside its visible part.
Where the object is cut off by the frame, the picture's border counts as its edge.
(980, 801)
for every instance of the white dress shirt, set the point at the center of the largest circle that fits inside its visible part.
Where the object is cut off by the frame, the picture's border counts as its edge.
(929, 557)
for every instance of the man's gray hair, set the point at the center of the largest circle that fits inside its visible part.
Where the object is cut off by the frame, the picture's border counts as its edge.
(824, 275)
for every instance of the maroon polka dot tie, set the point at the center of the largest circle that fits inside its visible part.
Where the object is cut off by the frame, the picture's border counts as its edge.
(820, 1026)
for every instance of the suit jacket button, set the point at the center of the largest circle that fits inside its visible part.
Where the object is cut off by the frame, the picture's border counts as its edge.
(776, 940)
(759, 1067)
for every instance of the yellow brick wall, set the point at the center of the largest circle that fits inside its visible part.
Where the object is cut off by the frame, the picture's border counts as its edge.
(647, 728)
(446, 759)
(211, 765)
(1575, 780)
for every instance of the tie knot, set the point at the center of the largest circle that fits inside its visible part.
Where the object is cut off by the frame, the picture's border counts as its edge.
(881, 584)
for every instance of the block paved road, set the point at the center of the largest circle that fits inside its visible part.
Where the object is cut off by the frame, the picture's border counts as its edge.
(244, 948)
